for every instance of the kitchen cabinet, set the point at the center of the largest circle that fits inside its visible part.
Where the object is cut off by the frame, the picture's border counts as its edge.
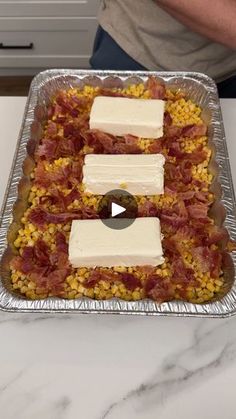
(36, 35)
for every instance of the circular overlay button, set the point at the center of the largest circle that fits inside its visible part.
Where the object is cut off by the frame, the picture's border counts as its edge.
(118, 209)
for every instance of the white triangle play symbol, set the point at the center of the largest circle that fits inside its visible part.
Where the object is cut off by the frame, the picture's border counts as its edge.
(116, 209)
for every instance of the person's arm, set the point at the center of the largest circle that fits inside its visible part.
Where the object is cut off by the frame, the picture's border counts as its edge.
(215, 19)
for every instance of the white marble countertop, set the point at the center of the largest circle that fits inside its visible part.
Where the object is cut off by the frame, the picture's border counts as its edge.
(113, 367)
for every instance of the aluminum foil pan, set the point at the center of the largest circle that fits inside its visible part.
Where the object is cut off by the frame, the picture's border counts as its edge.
(199, 88)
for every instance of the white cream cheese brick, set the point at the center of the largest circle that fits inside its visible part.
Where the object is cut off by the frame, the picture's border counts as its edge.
(121, 160)
(94, 244)
(120, 116)
(148, 180)
(139, 174)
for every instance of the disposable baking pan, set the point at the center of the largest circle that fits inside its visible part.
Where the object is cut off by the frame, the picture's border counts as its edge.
(202, 90)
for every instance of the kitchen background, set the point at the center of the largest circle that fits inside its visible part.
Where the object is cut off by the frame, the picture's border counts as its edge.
(36, 35)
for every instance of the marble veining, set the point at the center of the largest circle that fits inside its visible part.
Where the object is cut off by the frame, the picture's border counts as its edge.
(179, 371)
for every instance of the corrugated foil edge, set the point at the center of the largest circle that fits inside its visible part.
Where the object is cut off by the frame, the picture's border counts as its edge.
(203, 91)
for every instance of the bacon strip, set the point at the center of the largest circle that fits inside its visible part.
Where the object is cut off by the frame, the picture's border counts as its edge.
(47, 269)
(159, 289)
(198, 210)
(69, 175)
(194, 130)
(156, 88)
(39, 216)
(102, 142)
(208, 260)
(57, 198)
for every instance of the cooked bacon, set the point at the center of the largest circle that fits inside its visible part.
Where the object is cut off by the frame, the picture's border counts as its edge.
(61, 243)
(197, 210)
(159, 289)
(175, 151)
(156, 88)
(88, 213)
(91, 141)
(187, 195)
(172, 133)
(63, 100)
(126, 148)
(69, 176)
(59, 147)
(110, 144)
(106, 140)
(197, 156)
(147, 269)
(59, 259)
(202, 197)
(170, 246)
(16, 263)
(172, 172)
(174, 243)
(123, 148)
(151, 282)
(47, 269)
(182, 173)
(208, 260)
(109, 92)
(93, 279)
(41, 252)
(184, 233)
(186, 171)
(130, 139)
(81, 101)
(155, 146)
(130, 281)
(201, 256)
(109, 275)
(167, 119)
(70, 147)
(168, 190)
(181, 273)
(25, 262)
(51, 128)
(69, 130)
(175, 217)
(148, 209)
(52, 283)
(57, 198)
(100, 274)
(48, 149)
(194, 130)
(40, 217)
(199, 184)
(57, 110)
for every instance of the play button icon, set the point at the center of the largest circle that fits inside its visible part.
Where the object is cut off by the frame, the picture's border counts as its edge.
(118, 209)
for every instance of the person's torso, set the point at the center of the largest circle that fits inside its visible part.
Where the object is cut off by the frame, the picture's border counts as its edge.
(159, 42)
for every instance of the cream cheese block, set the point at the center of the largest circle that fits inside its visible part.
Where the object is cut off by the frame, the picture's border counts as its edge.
(139, 174)
(120, 116)
(122, 160)
(148, 180)
(93, 244)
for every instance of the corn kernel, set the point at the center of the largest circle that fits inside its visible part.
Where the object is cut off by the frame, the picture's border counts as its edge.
(210, 287)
